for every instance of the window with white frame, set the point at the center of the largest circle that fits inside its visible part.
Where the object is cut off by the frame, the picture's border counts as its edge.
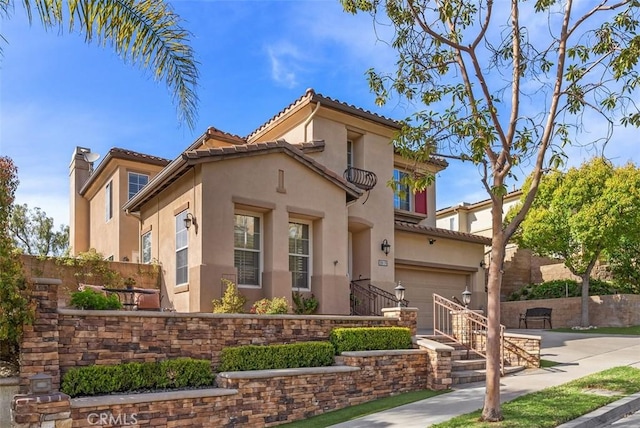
(146, 247)
(108, 198)
(402, 192)
(300, 255)
(182, 249)
(136, 182)
(349, 154)
(247, 245)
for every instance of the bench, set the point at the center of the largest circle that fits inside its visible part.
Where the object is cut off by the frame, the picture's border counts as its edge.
(543, 314)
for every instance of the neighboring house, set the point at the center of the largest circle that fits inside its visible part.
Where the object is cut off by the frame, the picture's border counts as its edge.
(300, 204)
(520, 267)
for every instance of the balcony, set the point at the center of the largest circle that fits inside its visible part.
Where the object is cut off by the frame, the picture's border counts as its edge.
(362, 179)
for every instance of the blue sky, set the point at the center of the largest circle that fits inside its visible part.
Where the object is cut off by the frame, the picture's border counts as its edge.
(255, 58)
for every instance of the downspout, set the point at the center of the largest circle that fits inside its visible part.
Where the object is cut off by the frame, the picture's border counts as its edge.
(308, 120)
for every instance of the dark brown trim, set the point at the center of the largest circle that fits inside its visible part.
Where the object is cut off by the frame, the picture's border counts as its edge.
(437, 266)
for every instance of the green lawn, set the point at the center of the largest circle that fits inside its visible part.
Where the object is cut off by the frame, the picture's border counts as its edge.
(629, 331)
(556, 405)
(543, 409)
(352, 412)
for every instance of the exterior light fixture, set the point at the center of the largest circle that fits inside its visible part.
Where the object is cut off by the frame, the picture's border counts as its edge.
(189, 220)
(483, 264)
(385, 247)
(432, 241)
(466, 296)
(399, 293)
(40, 384)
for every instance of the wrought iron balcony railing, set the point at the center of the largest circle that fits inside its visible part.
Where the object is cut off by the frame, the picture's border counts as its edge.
(361, 178)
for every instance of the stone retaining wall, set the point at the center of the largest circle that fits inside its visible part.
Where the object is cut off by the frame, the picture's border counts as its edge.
(63, 338)
(617, 310)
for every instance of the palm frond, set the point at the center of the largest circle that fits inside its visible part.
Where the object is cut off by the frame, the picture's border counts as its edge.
(146, 33)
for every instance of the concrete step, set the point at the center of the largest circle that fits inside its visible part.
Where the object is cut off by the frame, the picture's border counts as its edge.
(464, 365)
(469, 376)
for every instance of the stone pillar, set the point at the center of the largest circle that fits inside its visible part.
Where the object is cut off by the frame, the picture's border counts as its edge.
(407, 317)
(39, 345)
(52, 410)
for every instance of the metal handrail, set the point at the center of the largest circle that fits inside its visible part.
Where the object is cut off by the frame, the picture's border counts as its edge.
(469, 328)
(370, 300)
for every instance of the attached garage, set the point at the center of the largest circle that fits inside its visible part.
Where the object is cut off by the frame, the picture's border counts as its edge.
(430, 260)
(421, 283)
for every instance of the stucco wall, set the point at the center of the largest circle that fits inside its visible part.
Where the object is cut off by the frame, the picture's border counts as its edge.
(146, 276)
(616, 310)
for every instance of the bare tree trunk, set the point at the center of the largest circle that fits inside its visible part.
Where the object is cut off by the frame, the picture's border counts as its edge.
(584, 311)
(491, 411)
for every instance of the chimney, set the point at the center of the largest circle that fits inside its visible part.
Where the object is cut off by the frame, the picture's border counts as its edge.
(79, 172)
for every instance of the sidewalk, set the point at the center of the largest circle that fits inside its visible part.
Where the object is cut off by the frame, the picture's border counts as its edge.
(580, 354)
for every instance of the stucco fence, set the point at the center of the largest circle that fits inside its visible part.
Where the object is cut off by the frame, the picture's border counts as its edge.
(616, 310)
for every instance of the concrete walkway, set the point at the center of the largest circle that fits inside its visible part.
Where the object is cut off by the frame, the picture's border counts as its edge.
(580, 354)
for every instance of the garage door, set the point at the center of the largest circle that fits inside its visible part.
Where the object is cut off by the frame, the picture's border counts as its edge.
(420, 284)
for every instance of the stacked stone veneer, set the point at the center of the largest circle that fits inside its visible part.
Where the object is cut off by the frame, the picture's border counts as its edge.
(63, 338)
(44, 410)
(617, 310)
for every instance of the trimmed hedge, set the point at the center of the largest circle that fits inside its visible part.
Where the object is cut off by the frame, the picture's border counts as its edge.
(370, 338)
(267, 357)
(558, 288)
(127, 377)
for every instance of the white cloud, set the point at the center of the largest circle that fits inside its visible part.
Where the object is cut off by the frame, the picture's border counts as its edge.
(286, 62)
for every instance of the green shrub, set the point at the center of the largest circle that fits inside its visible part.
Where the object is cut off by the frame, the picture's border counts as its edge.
(232, 302)
(177, 373)
(370, 338)
(92, 300)
(277, 305)
(564, 288)
(304, 305)
(266, 357)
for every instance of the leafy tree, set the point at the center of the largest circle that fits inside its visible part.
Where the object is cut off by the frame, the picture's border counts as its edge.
(502, 88)
(33, 232)
(582, 214)
(147, 33)
(624, 264)
(14, 304)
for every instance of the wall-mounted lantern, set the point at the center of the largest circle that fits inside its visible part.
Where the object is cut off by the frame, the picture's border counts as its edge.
(385, 247)
(189, 220)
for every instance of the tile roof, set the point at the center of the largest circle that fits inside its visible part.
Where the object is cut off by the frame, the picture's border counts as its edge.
(295, 151)
(311, 96)
(194, 156)
(119, 153)
(216, 133)
(444, 233)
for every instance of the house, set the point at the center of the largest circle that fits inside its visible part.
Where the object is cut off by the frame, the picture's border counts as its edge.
(520, 266)
(299, 204)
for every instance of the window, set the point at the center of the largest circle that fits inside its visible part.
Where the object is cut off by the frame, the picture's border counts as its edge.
(402, 192)
(247, 244)
(146, 247)
(299, 255)
(452, 223)
(182, 250)
(109, 201)
(136, 182)
(349, 154)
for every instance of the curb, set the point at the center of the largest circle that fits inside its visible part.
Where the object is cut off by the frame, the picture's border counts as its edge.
(606, 414)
